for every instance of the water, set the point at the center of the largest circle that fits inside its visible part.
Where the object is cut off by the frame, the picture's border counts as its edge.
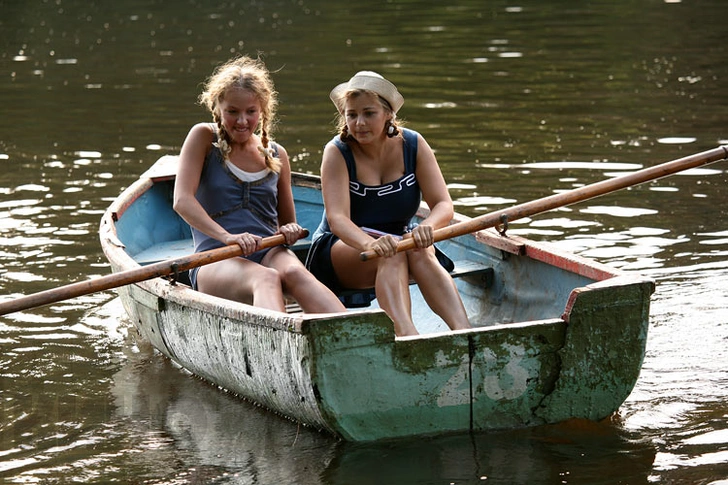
(519, 100)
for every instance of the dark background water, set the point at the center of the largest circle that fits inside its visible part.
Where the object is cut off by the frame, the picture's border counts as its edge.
(519, 100)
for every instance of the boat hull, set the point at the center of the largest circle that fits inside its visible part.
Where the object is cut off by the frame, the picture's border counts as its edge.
(555, 336)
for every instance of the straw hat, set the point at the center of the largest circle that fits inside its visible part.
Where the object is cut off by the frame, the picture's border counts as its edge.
(370, 81)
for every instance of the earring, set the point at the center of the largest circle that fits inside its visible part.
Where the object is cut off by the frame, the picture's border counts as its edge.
(391, 130)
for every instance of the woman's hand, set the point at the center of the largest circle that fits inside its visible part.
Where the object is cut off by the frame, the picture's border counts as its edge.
(248, 242)
(423, 235)
(292, 232)
(385, 246)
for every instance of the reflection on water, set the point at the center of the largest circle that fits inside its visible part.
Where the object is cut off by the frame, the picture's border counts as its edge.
(519, 102)
(178, 418)
(556, 454)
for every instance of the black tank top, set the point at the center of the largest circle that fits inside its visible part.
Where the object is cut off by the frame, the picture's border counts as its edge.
(389, 207)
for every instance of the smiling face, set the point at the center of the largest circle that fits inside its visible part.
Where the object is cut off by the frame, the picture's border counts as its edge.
(365, 117)
(240, 112)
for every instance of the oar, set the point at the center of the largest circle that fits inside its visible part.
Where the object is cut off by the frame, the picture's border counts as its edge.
(537, 206)
(163, 268)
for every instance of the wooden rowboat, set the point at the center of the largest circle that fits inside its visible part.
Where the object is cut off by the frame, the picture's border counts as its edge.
(555, 336)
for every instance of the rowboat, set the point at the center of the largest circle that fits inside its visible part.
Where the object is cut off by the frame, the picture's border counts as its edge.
(555, 336)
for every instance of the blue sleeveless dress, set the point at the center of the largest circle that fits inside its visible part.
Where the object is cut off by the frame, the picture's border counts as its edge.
(236, 205)
(388, 208)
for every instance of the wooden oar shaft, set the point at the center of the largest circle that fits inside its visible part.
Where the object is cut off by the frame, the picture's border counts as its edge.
(567, 198)
(163, 268)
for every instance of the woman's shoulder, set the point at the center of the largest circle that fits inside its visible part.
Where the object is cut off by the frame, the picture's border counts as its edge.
(335, 151)
(409, 134)
(203, 130)
(337, 145)
(336, 141)
(198, 143)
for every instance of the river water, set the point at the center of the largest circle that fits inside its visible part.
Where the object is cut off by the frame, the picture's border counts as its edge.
(519, 99)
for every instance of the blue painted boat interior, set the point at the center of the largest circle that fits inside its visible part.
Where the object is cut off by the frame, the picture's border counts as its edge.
(151, 222)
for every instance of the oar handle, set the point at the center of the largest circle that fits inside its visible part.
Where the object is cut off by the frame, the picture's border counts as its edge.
(114, 280)
(566, 198)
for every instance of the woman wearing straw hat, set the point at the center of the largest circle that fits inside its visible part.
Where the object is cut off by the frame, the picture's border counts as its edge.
(374, 174)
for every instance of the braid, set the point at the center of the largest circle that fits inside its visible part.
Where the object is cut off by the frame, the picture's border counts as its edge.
(344, 135)
(273, 163)
(391, 128)
(223, 141)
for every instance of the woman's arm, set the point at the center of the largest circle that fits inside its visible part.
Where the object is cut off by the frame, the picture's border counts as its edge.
(335, 191)
(287, 224)
(433, 186)
(191, 159)
(286, 207)
(434, 192)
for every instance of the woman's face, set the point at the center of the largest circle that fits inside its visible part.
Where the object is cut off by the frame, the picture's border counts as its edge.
(240, 112)
(365, 117)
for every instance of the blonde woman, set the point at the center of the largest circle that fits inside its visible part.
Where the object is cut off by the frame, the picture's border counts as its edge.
(234, 187)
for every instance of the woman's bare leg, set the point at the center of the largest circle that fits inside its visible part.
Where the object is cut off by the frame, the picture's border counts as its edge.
(438, 288)
(388, 276)
(242, 280)
(312, 295)
(393, 294)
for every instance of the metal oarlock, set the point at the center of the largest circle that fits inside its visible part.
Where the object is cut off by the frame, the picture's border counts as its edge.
(173, 277)
(503, 226)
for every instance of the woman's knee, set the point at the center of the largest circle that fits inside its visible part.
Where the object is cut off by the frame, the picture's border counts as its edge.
(294, 274)
(397, 262)
(267, 276)
(424, 259)
(394, 268)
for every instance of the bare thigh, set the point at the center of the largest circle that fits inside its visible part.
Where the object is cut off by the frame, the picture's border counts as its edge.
(231, 278)
(351, 271)
(280, 258)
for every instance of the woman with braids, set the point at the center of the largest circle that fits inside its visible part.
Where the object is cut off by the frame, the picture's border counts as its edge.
(234, 187)
(373, 176)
